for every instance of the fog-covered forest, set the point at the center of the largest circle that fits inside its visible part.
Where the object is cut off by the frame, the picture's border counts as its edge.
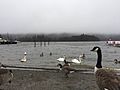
(59, 37)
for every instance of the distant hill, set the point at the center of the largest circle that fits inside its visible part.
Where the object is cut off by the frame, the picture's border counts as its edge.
(50, 37)
(82, 37)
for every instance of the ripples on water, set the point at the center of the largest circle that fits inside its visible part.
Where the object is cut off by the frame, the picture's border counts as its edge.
(11, 54)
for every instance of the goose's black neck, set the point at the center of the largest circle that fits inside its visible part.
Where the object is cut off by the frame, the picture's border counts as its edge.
(65, 61)
(99, 59)
(60, 65)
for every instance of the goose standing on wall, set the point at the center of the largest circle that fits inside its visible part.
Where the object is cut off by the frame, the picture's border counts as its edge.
(66, 69)
(5, 75)
(106, 79)
(67, 62)
(24, 58)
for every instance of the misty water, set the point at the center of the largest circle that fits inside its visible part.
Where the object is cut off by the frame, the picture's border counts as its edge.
(11, 54)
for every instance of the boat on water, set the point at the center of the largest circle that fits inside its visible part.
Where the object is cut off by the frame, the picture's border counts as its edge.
(113, 43)
(4, 41)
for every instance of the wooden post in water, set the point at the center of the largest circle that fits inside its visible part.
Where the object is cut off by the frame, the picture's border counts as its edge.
(41, 43)
(48, 43)
(34, 43)
(44, 43)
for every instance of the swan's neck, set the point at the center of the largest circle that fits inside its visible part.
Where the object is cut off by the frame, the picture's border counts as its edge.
(60, 65)
(99, 59)
(79, 58)
(65, 61)
(24, 57)
(64, 58)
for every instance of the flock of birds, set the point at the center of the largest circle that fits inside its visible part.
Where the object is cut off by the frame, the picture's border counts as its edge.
(77, 61)
(106, 79)
(24, 59)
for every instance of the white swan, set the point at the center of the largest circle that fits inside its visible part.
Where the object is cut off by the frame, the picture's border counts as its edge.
(24, 58)
(61, 59)
(77, 61)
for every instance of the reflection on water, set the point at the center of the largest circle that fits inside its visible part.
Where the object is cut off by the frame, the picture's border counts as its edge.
(11, 54)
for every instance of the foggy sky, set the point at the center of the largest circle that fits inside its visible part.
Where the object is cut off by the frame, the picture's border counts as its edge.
(58, 16)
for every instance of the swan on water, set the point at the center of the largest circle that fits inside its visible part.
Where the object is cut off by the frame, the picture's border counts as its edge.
(61, 59)
(77, 61)
(24, 58)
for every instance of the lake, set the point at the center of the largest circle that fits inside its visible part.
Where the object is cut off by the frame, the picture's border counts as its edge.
(11, 54)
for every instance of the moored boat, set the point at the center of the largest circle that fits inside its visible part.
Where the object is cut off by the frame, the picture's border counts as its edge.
(113, 43)
(4, 41)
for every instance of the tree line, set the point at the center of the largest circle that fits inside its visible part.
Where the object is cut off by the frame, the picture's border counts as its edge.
(49, 37)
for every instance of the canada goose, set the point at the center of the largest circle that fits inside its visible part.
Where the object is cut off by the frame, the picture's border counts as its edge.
(116, 61)
(67, 62)
(106, 79)
(24, 58)
(66, 69)
(5, 75)
(77, 61)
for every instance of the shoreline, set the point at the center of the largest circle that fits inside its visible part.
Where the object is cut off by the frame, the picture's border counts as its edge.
(50, 80)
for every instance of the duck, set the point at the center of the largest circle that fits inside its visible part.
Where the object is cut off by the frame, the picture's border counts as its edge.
(41, 55)
(66, 69)
(106, 79)
(6, 75)
(82, 56)
(50, 54)
(116, 61)
(77, 61)
(24, 58)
